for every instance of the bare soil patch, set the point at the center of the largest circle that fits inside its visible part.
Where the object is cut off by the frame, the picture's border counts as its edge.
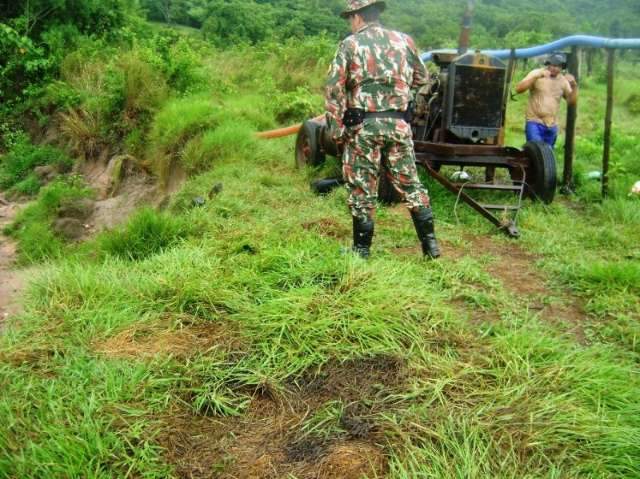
(12, 281)
(145, 341)
(328, 228)
(516, 269)
(268, 442)
(352, 380)
(449, 251)
(119, 193)
(259, 446)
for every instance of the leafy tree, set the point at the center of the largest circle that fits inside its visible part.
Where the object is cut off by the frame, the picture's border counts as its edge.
(231, 22)
(184, 12)
(36, 34)
(32, 17)
(433, 24)
(21, 63)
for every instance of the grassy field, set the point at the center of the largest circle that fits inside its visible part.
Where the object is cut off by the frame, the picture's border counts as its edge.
(235, 339)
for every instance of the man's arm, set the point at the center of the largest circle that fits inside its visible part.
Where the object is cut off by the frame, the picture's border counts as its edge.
(571, 93)
(420, 73)
(530, 80)
(336, 92)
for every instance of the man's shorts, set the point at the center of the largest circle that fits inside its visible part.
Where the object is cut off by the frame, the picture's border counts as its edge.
(538, 132)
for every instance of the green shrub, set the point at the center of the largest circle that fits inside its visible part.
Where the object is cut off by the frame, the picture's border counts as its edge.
(238, 22)
(89, 17)
(183, 66)
(83, 130)
(147, 233)
(109, 94)
(10, 134)
(297, 106)
(229, 139)
(29, 186)
(32, 226)
(253, 109)
(61, 96)
(60, 39)
(134, 85)
(178, 122)
(23, 65)
(84, 69)
(16, 167)
(180, 119)
(38, 243)
(633, 103)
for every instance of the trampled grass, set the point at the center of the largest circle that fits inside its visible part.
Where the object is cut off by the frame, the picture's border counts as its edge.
(509, 360)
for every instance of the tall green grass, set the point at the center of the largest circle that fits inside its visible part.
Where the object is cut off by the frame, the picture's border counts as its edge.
(489, 387)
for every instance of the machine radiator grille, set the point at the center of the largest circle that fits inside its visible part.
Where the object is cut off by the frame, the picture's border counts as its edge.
(477, 99)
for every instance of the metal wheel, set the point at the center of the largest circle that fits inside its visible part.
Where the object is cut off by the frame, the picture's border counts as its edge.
(308, 151)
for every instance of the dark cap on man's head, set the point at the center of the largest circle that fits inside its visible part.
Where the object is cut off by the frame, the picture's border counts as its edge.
(557, 59)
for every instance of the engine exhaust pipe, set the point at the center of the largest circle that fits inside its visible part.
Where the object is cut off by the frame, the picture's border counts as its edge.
(465, 34)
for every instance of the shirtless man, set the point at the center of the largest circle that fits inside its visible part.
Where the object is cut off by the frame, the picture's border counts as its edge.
(547, 86)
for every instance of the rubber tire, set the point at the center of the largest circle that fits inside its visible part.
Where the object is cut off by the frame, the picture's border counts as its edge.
(542, 176)
(308, 138)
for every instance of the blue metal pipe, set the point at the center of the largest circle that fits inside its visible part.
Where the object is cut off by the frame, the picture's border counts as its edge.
(572, 41)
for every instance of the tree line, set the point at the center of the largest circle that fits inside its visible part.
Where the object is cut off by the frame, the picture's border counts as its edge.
(35, 35)
(434, 24)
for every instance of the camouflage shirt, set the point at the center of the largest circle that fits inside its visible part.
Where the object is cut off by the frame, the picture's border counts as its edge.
(374, 69)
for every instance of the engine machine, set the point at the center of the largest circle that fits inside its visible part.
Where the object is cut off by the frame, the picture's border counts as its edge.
(459, 121)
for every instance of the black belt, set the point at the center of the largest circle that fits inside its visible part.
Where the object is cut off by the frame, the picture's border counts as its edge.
(400, 115)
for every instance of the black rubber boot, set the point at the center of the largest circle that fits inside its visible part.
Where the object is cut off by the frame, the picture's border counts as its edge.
(362, 236)
(326, 186)
(423, 221)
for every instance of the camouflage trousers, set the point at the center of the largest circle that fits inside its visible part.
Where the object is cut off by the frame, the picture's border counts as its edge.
(376, 148)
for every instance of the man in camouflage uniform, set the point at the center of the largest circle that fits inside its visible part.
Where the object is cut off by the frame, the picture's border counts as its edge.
(371, 82)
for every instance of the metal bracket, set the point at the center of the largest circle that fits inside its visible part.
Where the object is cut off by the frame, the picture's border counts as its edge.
(508, 227)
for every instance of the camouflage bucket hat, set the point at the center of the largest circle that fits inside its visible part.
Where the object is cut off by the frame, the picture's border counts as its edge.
(355, 5)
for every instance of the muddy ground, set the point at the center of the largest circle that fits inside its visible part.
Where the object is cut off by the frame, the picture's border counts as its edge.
(270, 442)
(12, 280)
(115, 201)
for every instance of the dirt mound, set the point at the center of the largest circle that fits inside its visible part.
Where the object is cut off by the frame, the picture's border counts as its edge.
(269, 441)
(121, 187)
(259, 446)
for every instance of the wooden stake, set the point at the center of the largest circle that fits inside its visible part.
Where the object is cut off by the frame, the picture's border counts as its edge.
(611, 56)
(572, 116)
